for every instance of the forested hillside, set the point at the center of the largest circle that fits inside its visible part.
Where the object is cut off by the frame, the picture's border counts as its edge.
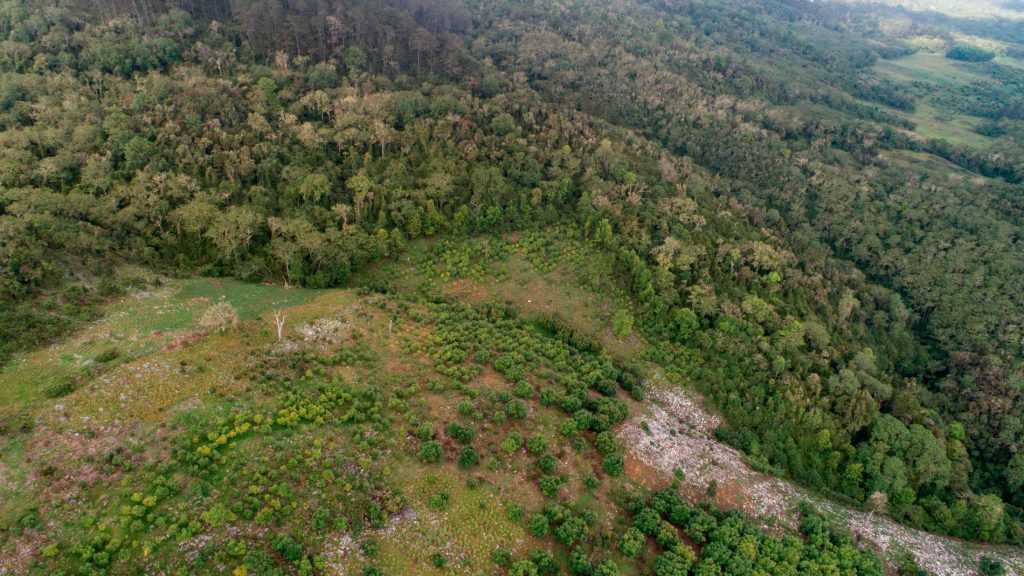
(814, 211)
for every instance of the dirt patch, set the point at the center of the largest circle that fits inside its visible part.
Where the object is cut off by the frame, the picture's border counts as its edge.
(16, 556)
(325, 331)
(675, 431)
(185, 340)
(467, 290)
(642, 473)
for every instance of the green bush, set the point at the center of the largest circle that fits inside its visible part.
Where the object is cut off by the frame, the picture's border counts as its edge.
(969, 53)
(430, 452)
(108, 355)
(537, 525)
(61, 388)
(468, 457)
(464, 434)
(632, 542)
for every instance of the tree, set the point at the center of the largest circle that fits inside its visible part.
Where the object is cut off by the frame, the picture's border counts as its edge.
(362, 191)
(878, 503)
(314, 188)
(194, 217)
(138, 153)
(687, 324)
(343, 211)
(571, 531)
(1015, 471)
(220, 317)
(632, 542)
(989, 511)
(648, 521)
(671, 563)
(233, 229)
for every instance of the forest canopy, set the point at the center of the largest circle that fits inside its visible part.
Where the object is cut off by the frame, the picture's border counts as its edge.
(842, 284)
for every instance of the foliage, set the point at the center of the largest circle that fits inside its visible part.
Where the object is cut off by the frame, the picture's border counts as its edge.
(969, 53)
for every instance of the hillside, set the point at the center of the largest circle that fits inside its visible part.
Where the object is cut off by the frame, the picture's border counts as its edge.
(341, 447)
(479, 221)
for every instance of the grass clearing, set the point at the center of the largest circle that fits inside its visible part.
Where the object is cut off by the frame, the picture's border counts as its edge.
(471, 526)
(933, 122)
(140, 326)
(927, 67)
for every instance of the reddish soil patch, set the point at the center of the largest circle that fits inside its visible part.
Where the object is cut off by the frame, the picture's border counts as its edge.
(490, 380)
(468, 290)
(185, 340)
(641, 473)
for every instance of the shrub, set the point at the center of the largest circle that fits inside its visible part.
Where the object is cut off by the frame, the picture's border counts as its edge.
(613, 464)
(321, 519)
(537, 525)
(216, 515)
(512, 442)
(579, 563)
(60, 388)
(667, 536)
(288, 548)
(523, 568)
(430, 452)
(107, 355)
(523, 389)
(468, 457)
(220, 317)
(463, 434)
(545, 563)
(969, 53)
(546, 463)
(607, 568)
(501, 557)
(606, 443)
(516, 410)
(536, 445)
(571, 531)
(439, 501)
(549, 485)
(622, 323)
(514, 511)
(989, 566)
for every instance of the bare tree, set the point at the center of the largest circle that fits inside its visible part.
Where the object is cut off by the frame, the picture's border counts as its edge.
(279, 318)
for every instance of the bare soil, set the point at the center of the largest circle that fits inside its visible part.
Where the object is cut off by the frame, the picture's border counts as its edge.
(674, 430)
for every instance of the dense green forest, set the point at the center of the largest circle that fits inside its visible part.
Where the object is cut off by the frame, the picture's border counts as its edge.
(840, 278)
